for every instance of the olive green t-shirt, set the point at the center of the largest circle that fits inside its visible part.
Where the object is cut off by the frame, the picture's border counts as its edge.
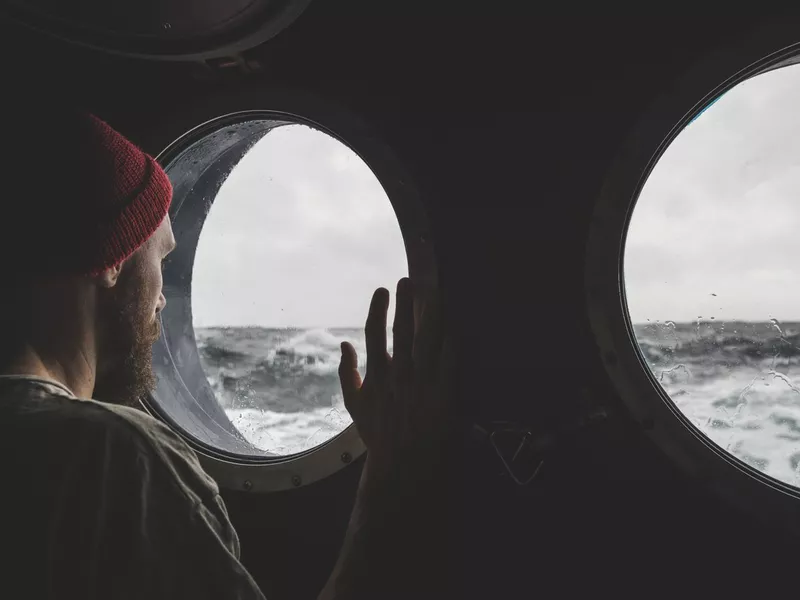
(103, 501)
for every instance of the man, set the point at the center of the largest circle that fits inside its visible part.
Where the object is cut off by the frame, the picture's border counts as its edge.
(100, 500)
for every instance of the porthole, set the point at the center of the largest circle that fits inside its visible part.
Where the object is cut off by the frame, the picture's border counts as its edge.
(283, 233)
(689, 276)
(710, 272)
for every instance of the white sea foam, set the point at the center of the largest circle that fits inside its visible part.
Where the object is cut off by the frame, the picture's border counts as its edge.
(737, 383)
(289, 433)
(280, 387)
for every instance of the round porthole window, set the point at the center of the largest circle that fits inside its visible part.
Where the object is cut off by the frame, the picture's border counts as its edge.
(283, 234)
(711, 276)
(690, 275)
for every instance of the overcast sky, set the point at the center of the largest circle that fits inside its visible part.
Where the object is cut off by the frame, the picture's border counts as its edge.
(720, 213)
(301, 232)
(300, 235)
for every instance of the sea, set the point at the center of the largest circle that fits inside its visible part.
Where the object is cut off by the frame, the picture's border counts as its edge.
(738, 382)
(280, 387)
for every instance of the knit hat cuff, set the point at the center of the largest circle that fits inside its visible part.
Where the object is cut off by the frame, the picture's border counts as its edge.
(134, 225)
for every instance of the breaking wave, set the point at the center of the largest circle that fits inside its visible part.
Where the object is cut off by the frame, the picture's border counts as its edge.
(279, 387)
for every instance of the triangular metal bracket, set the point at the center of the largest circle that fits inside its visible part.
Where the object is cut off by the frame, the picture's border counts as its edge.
(515, 450)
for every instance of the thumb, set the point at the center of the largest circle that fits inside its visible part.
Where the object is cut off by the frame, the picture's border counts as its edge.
(349, 376)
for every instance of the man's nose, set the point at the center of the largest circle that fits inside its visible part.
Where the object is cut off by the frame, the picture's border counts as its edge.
(162, 302)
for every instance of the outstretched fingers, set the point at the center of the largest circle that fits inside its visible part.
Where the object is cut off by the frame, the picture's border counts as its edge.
(375, 333)
(349, 376)
(403, 332)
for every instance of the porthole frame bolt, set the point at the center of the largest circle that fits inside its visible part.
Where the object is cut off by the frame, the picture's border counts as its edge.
(296, 481)
(248, 485)
(347, 458)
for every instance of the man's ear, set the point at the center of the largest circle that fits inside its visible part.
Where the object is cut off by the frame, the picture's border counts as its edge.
(109, 277)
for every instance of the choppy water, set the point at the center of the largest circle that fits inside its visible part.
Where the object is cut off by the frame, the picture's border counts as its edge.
(738, 382)
(279, 387)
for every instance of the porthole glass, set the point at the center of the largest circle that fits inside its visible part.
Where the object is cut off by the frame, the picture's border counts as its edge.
(297, 239)
(711, 277)
(283, 234)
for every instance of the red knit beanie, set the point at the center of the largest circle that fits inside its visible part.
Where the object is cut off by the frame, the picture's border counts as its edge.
(79, 199)
(135, 189)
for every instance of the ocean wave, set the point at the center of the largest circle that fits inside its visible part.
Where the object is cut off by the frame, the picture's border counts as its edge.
(735, 382)
(718, 343)
(289, 433)
(729, 349)
(276, 370)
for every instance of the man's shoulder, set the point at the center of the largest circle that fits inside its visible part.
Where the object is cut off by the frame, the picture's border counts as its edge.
(162, 445)
(117, 433)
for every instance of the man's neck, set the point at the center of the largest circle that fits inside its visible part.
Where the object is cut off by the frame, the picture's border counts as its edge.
(52, 332)
(72, 369)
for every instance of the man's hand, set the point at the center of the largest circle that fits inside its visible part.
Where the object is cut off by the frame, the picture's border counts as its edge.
(401, 407)
(401, 411)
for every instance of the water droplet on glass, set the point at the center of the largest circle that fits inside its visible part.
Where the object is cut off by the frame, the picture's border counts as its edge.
(777, 325)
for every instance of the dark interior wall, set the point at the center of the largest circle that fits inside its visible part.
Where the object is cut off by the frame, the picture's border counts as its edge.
(508, 123)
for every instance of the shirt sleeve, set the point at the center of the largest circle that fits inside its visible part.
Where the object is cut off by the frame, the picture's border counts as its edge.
(139, 518)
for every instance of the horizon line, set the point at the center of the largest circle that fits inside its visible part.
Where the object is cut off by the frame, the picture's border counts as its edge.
(694, 321)
(281, 327)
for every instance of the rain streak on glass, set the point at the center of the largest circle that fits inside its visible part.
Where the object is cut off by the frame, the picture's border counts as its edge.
(712, 272)
(295, 243)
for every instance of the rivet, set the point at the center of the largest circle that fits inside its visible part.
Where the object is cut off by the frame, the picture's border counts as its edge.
(346, 457)
(248, 485)
(296, 481)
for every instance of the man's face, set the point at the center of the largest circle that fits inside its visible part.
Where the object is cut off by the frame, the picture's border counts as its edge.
(129, 323)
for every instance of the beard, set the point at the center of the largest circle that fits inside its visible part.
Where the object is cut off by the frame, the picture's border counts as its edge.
(125, 352)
